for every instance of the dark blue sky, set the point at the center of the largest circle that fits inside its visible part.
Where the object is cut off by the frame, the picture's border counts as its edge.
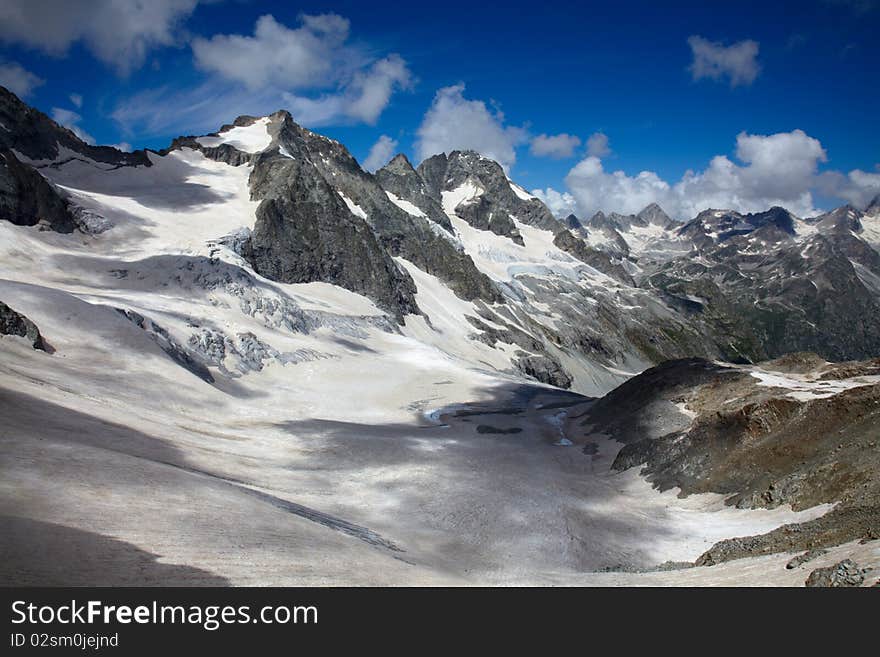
(621, 68)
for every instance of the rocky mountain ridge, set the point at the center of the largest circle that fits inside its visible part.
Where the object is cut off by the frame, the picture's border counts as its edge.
(724, 285)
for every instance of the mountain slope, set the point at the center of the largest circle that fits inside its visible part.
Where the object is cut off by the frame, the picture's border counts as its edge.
(798, 431)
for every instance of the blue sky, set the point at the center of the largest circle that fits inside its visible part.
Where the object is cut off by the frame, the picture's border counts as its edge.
(670, 85)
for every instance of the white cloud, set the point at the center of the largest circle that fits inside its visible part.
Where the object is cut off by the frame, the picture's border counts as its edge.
(380, 153)
(856, 187)
(275, 54)
(17, 79)
(118, 33)
(555, 146)
(122, 146)
(297, 63)
(738, 62)
(363, 99)
(456, 123)
(76, 99)
(70, 120)
(779, 169)
(594, 189)
(561, 204)
(597, 145)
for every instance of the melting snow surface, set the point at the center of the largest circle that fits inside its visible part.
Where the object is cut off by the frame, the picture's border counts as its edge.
(805, 389)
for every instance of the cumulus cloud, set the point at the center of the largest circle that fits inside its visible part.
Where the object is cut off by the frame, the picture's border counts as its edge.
(380, 153)
(275, 54)
(595, 189)
(597, 145)
(76, 99)
(455, 123)
(363, 99)
(778, 169)
(17, 79)
(561, 204)
(556, 146)
(737, 62)
(856, 187)
(71, 120)
(320, 77)
(118, 33)
(311, 70)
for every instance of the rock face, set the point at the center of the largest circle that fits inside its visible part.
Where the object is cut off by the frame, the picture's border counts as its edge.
(845, 573)
(544, 369)
(178, 353)
(401, 181)
(324, 218)
(806, 557)
(498, 200)
(27, 199)
(589, 324)
(305, 232)
(13, 323)
(653, 214)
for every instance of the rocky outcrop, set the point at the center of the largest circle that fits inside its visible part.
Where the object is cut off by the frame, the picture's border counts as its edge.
(28, 199)
(806, 557)
(499, 201)
(345, 228)
(305, 232)
(573, 223)
(220, 153)
(654, 214)
(844, 573)
(543, 368)
(400, 179)
(701, 427)
(609, 229)
(14, 323)
(175, 351)
(29, 141)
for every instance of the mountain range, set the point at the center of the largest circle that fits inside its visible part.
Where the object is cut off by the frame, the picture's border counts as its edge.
(388, 367)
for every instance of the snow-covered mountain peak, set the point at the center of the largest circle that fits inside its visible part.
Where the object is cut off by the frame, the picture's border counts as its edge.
(249, 136)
